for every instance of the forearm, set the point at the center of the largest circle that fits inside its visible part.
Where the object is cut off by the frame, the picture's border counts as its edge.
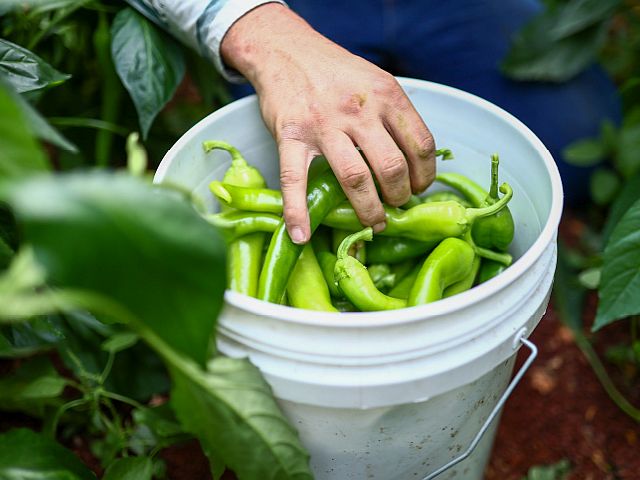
(259, 45)
(200, 24)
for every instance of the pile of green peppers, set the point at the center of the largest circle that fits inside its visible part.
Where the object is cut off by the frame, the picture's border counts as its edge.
(433, 247)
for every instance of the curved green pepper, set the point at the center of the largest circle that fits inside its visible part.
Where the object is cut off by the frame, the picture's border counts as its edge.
(495, 231)
(323, 194)
(404, 286)
(235, 224)
(327, 261)
(445, 196)
(450, 262)
(490, 269)
(307, 287)
(467, 282)
(355, 281)
(244, 255)
(428, 222)
(248, 199)
(396, 249)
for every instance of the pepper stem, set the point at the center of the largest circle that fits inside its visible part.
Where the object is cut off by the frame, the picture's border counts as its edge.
(349, 240)
(236, 157)
(445, 153)
(503, 258)
(493, 190)
(474, 213)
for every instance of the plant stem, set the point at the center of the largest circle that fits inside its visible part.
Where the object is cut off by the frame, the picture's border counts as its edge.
(63, 408)
(598, 368)
(121, 398)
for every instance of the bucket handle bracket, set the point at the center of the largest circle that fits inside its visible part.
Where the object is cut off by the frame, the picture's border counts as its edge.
(519, 339)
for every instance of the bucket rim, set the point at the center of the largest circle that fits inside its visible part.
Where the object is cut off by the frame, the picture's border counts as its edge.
(445, 306)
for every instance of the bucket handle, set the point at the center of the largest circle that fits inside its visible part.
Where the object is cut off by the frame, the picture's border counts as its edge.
(514, 382)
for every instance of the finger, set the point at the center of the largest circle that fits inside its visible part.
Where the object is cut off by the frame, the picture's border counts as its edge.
(414, 138)
(388, 163)
(294, 161)
(353, 174)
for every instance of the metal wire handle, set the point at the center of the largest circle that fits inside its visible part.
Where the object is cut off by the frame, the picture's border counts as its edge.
(514, 382)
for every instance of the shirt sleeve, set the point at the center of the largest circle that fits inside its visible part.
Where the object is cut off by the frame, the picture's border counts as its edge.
(200, 24)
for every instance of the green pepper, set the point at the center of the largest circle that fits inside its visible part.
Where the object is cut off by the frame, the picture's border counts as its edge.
(248, 199)
(321, 239)
(498, 230)
(413, 201)
(355, 281)
(445, 196)
(327, 261)
(240, 173)
(244, 255)
(450, 262)
(428, 222)
(235, 224)
(495, 231)
(307, 287)
(402, 269)
(358, 249)
(490, 269)
(381, 276)
(396, 249)
(404, 286)
(467, 282)
(323, 194)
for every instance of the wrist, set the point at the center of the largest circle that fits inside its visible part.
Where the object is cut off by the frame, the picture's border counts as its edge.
(261, 39)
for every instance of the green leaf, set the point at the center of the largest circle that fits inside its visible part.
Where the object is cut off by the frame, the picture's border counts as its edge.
(23, 292)
(627, 158)
(604, 185)
(20, 153)
(120, 341)
(6, 253)
(534, 57)
(620, 284)
(628, 195)
(41, 128)
(26, 71)
(576, 15)
(160, 420)
(40, 334)
(149, 63)
(232, 412)
(557, 471)
(25, 454)
(33, 387)
(142, 247)
(130, 468)
(585, 153)
(560, 42)
(155, 427)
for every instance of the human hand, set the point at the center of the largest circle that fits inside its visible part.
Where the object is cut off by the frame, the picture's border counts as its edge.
(317, 98)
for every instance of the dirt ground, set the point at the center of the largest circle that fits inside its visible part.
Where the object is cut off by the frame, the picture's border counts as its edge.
(560, 411)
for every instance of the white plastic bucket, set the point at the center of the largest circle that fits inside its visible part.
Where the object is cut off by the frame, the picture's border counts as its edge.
(396, 395)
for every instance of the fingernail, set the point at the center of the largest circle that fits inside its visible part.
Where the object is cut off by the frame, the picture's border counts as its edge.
(378, 227)
(297, 235)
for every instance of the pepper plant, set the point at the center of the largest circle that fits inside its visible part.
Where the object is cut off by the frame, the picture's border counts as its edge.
(555, 46)
(110, 287)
